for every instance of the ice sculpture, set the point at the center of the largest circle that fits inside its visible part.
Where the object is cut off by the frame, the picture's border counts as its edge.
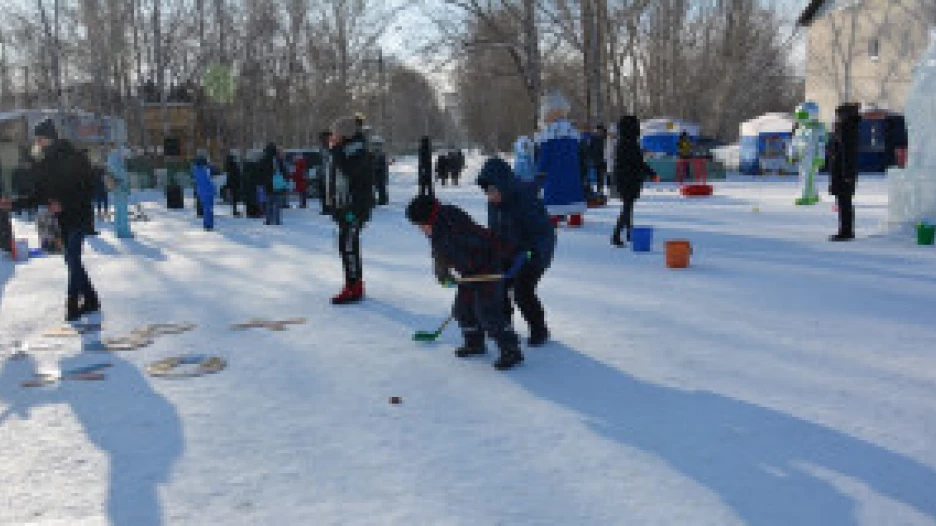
(912, 190)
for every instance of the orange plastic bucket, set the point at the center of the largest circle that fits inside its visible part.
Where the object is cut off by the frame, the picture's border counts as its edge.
(677, 253)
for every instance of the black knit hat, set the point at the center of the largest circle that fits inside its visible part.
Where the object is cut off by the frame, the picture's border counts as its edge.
(46, 128)
(420, 209)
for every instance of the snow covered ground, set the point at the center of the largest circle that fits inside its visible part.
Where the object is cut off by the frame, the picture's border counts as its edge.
(781, 380)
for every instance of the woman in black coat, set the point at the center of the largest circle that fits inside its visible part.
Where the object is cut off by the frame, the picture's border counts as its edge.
(630, 170)
(843, 168)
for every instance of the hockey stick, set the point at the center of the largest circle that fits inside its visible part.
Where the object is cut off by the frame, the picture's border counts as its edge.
(428, 336)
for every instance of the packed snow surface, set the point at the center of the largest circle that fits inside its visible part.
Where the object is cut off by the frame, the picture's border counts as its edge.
(780, 380)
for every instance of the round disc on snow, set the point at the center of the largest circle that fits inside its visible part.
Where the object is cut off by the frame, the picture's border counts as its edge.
(186, 366)
(120, 343)
(162, 329)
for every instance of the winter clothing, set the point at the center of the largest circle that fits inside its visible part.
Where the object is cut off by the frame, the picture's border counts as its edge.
(46, 129)
(424, 168)
(520, 219)
(300, 180)
(524, 167)
(523, 226)
(843, 167)
(558, 159)
(442, 168)
(609, 152)
(234, 182)
(101, 201)
(630, 168)
(460, 243)
(684, 146)
(272, 169)
(630, 171)
(596, 146)
(381, 176)
(205, 191)
(354, 181)
(326, 183)
(352, 173)
(64, 175)
(456, 165)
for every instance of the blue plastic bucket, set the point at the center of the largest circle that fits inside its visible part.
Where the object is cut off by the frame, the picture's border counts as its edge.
(642, 238)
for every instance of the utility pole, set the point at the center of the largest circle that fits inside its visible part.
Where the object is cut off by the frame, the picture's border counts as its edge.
(591, 29)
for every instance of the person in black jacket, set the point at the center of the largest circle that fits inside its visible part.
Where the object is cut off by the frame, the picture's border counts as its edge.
(517, 215)
(381, 171)
(473, 251)
(424, 170)
(325, 184)
(630, 171)
(65, 181)
(596, 147)
(234, 182)
(353, 176)
(843, 168)
(442, 168)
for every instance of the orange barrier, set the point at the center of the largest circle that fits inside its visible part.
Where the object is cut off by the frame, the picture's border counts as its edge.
(677, 253)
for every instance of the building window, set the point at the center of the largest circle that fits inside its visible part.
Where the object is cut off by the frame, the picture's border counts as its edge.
(874, 49)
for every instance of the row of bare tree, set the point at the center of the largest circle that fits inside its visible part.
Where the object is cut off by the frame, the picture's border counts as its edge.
(714, 62)
(298, 64)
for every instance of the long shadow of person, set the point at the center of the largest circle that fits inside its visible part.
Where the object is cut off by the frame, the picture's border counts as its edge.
(124, 417)
(6, 273)
(770, 467)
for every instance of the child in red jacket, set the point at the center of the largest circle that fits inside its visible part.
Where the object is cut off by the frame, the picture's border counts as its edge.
(300, 182)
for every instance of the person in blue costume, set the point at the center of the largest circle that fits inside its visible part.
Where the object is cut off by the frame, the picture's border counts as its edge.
(558, 160)
(205, 189)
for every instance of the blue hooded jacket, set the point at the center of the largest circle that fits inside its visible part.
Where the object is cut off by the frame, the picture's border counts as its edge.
(520, 219)
(202, 175)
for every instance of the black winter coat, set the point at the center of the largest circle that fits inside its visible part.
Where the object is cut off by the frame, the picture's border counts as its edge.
(66, 175)
(234, 180)
(630, 168)
(520, 220)
(353, 176)
(842, 154)
(460, 243)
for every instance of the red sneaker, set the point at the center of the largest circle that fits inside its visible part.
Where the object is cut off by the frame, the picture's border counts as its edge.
(575, 220)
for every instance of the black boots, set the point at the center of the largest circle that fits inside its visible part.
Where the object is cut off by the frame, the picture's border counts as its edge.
(91, 304)
(509, 357)
(538, 336)
(847, 236)
(72, 309)
(473, 346)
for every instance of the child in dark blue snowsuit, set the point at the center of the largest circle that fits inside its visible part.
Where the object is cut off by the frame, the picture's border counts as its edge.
(461, 244)
(205, 190)
(518, 216)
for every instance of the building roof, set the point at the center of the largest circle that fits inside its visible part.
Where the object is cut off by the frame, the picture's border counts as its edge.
(808, 15)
